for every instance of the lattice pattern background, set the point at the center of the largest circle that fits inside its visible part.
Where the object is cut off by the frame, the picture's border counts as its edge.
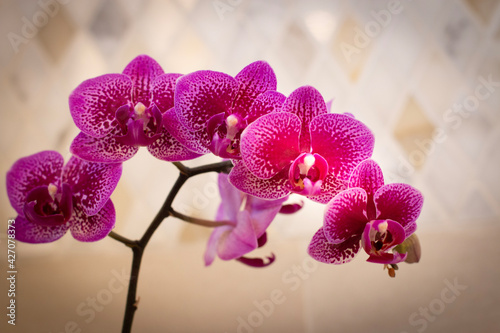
(423, 75)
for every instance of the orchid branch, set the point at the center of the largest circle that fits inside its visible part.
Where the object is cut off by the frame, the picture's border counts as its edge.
(165, 211)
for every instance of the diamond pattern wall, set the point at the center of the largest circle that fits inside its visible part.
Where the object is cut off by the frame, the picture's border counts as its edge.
(423, 75)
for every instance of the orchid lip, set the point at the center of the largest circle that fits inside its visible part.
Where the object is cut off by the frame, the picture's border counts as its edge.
(141, 125)
(307, 173)
(379, 237)
(49, 205)
(225, 133)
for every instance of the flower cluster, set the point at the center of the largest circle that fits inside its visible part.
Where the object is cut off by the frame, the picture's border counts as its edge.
(278, 146)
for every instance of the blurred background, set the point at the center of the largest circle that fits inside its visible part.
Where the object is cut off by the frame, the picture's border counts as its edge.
(423, 75)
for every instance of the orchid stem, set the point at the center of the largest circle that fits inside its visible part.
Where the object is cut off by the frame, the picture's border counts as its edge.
(138, 246)
(197, 221)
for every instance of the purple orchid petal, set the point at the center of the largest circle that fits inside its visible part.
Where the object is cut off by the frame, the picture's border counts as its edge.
(270, 143)
(142, 70)
(343, 141)
(201, 95)
(291, 208)
(345, 215)
(29, 232)
(27, 173)
(102, 150)
(163, 89)
(87, 228)
(322, 250)
(262, 212)
(369, 177)
(398, 202)
(194, 141)
(94, 102)
(272, 188)
(410, 228)
(167, 148)
(330, 187)
(329, 106)
(307, 103)
(231, 199)
(387, 258)
(238, 241)
(213, 241)
(92, 183)
(253, 80)
(270, 101)
(257, 262)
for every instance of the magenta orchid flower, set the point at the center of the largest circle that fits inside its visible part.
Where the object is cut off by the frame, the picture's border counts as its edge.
(246, 228)
(301, 149)
(368, 213)
(51, 197)
(213, 108)
(118, 113)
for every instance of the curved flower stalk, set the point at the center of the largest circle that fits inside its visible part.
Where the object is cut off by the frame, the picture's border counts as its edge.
(118, 113)
(248, 218)
(212, 108)
(302, 149)
(370, 214)
(51, 197)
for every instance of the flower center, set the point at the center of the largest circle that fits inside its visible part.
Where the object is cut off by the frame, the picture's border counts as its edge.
(140, 125)
(49, 205)
(225, 134)
(307, 173)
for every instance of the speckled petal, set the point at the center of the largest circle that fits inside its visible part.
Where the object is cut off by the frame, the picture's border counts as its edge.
(270, 101)
(270, 143)
(102, 150)
(163, 90)
(345, 215)
(398, 202)
(143, 71)
(330, 187)
(30, 172)
(29, 232)
(343, 141)
(367, 175)
(94, 102)
(272, 188)
(323, 251)
(307, 103)
(92, 228)
(201, 95)
(253, 80)
(197, 142)
(167, 148)
(92, 183)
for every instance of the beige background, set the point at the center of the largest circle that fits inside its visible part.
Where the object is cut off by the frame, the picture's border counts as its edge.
(402, 82)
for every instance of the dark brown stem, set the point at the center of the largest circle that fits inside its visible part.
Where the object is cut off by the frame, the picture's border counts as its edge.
(138, 246)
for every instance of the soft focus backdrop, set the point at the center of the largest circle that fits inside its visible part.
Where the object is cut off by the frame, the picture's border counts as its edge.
(423, 75)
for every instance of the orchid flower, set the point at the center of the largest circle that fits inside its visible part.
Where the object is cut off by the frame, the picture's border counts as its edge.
(302, 149)
(51, 197)
(213, 108)
(376, 216)
(118, 113)
(248, 218)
